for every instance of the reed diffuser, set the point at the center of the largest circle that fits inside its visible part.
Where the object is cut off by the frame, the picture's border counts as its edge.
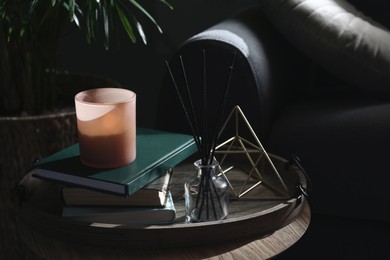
(207, 193)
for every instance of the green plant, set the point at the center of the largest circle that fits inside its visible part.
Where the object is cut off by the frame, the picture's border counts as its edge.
(30, 31)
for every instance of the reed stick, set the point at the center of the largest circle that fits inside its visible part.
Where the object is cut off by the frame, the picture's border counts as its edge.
(205, 146)
(194, 133)
(222, 108)
(204, 111)
(192, 110)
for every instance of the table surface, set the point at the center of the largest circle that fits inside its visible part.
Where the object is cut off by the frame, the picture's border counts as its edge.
(261, 247)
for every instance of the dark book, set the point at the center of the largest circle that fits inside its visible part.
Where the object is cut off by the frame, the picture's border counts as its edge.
(157, 152)
(122, 215)
(153, 194)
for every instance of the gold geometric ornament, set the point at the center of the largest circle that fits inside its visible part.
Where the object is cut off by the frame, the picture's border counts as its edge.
(245, 164)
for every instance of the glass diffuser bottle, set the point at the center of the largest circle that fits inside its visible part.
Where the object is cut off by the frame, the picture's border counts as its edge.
(206, 195)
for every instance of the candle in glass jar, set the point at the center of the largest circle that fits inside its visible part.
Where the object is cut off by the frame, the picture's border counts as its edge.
(106, 124)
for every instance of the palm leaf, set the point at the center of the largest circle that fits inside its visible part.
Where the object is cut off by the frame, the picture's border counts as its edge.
(125, 22)
(167, 4)
(137, 5)
(90, 20)
(71, 5)
(105, 9)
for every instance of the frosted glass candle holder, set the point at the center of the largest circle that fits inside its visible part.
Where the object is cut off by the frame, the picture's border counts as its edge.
(106, 124)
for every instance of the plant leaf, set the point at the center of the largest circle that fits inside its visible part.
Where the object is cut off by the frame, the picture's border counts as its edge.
(141, 32)
(167, 4)
(71, 9)
(125, 22)
(106, 24)
(32, 8)
(75, 17)
(137, 5)
(91, 17)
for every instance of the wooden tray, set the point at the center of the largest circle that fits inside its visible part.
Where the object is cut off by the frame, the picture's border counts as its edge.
(248, 218)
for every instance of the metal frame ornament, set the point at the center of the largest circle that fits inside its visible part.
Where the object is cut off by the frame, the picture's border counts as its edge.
(254, 156)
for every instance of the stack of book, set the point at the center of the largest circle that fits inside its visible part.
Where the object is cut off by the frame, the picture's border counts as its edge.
(152, 204)
(137, 193)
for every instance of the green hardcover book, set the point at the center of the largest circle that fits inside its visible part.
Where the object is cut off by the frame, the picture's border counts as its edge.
(157, 152)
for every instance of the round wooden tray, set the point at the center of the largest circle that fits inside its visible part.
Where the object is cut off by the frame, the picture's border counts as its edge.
(249, 218)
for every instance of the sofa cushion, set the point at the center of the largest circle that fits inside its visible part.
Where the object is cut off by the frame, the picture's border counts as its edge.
(342, 141)
(340, 38)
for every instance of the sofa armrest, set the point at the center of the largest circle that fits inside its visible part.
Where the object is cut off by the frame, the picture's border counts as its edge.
(338, 37)
(263, 74)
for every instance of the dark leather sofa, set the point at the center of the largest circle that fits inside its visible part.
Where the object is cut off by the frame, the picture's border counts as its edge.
(313, 79)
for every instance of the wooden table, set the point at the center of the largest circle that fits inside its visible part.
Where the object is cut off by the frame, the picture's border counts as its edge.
(51, 237)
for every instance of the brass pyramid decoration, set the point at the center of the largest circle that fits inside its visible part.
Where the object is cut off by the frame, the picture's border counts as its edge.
(255, 163)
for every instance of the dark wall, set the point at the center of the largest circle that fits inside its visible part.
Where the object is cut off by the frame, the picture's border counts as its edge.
(376, 9)
(140, 67)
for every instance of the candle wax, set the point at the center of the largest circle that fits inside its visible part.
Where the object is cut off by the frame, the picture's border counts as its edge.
(107, 141)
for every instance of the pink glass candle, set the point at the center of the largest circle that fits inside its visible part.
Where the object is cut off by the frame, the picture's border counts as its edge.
(106, 124)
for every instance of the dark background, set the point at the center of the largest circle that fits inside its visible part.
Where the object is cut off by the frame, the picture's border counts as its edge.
(141, 67)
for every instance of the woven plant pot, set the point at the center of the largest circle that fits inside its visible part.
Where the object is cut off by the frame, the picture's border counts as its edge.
(27, 139)
(24, 140)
